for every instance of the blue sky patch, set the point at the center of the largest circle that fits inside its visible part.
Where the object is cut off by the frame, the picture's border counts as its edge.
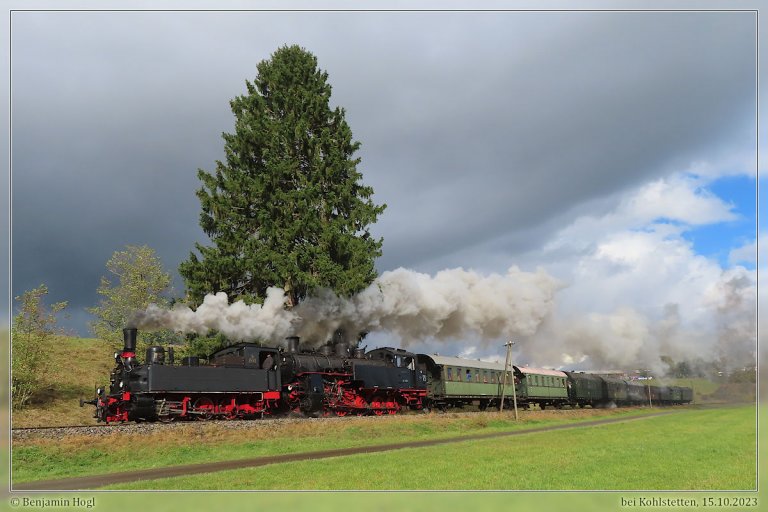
(717, 240)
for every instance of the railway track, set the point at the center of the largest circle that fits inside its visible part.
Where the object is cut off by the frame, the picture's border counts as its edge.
(51, 427)
(59, 432)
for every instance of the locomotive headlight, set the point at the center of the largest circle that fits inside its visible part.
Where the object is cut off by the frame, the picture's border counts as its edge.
(100, 391)
(121, 384)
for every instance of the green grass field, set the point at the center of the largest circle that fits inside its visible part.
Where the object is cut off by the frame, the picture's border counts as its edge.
(689, 449)
(43, 459)
(693, 450)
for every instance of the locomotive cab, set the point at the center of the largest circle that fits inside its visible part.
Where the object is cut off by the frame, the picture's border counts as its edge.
(240, 381)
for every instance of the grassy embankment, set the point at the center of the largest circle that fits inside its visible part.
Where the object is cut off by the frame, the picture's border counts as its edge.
(77, 366)
(711, 449)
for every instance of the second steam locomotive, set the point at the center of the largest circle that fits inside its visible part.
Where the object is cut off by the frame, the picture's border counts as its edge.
(247, 380)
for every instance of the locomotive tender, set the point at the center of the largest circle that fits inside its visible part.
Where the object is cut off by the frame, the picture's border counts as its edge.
(247, 380)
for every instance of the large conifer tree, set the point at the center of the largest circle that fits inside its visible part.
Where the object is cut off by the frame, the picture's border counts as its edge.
(287, 208)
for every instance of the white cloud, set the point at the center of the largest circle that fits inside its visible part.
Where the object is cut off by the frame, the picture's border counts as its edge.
(681, 198)
(747, 253)
(638, 290)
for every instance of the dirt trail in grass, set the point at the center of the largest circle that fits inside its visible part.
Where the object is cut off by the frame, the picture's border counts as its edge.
(95, 481)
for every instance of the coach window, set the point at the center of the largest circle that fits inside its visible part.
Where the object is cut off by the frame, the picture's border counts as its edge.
(450, 373)
(485, 377)
(469, 376)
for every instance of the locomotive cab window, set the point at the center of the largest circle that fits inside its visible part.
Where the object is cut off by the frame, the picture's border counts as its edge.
(266, 361)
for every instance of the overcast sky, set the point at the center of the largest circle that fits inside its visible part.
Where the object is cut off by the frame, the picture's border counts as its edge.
(615, 150)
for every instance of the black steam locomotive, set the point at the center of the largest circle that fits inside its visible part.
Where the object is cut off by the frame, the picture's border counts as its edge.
(248, 381)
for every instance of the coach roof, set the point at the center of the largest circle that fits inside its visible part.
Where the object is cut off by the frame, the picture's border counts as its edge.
(467, 363)
(540, 371)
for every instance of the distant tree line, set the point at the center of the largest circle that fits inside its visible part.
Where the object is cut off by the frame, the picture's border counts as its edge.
(716, 369)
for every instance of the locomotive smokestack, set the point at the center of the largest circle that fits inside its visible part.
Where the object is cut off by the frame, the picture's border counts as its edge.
(293, 344)
(129, 339)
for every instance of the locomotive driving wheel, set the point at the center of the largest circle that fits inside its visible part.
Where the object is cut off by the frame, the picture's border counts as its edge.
(378, 406)
(392, 407)
(225, 408)
(204, 407)
(164, 412)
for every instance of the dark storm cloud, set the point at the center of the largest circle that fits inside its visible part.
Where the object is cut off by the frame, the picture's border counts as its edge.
(517, 134)
(475, 127)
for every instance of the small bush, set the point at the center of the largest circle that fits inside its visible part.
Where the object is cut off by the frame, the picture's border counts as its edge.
(31, 334)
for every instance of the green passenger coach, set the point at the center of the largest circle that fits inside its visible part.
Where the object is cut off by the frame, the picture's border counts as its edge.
(456, 382)
(541, 386)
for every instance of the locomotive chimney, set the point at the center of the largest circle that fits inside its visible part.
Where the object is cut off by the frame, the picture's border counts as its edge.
(129, 341)
(293, 344)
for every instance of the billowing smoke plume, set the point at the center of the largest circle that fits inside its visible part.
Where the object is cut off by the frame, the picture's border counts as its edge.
(723, 331)
(238, 321)
(452, 304)
(411, 305)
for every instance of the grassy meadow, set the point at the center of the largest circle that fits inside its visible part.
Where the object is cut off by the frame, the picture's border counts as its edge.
(689, 449)
(692, 450)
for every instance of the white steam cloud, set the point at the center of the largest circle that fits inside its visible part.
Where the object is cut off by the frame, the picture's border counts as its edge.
(452, 304)
(723, 330)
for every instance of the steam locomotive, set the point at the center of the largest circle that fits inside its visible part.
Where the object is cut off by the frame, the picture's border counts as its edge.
(247, 380)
